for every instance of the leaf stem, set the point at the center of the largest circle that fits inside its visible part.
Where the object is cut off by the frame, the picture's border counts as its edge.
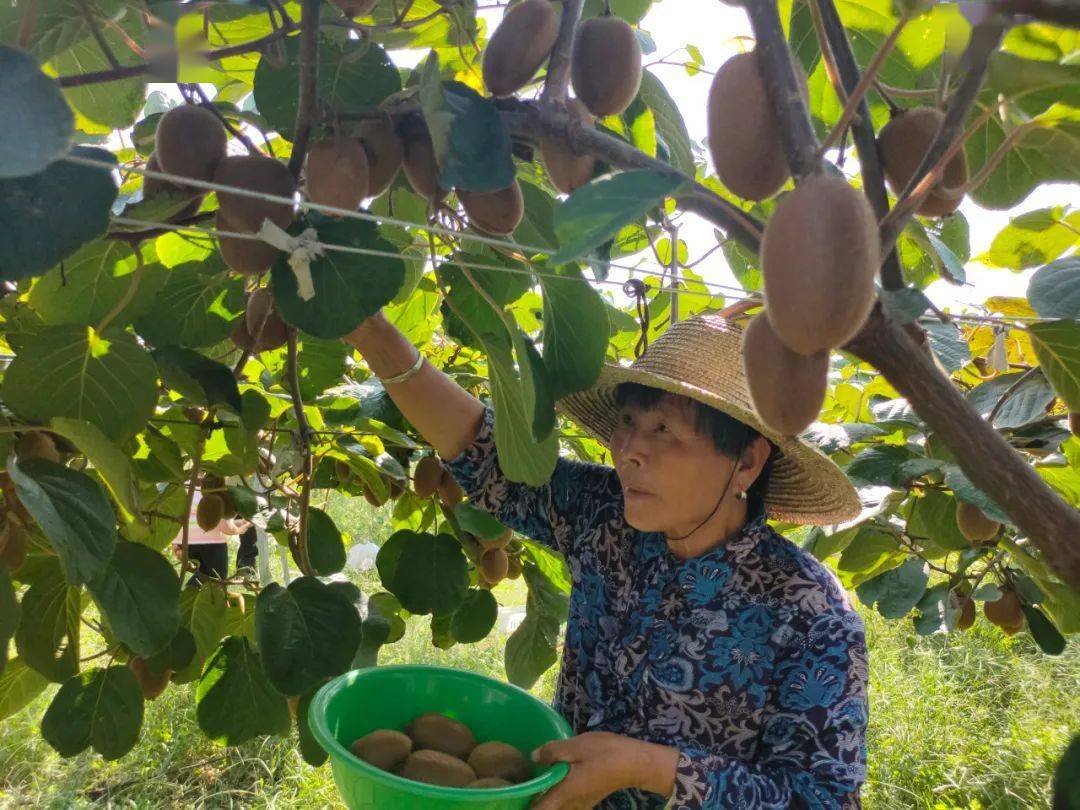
(308, 100)
(558, 72)
(129, 293)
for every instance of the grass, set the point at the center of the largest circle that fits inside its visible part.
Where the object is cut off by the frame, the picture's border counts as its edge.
(975, 720)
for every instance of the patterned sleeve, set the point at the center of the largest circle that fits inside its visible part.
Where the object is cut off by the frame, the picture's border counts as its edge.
(813, 750)
(556, 514)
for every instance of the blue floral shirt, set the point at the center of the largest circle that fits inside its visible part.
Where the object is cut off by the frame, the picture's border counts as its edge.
(748, 659)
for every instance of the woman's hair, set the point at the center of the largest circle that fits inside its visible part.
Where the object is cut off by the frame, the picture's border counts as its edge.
(729, 435)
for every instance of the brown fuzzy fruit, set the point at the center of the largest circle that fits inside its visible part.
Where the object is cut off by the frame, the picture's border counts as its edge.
(494, 565)
(605, 68)
(190, 142)
(342, 471)
(513, 567)
(974, 525)
(384, 153)
(819, 256)
(489, 782)
(566, 168)
(450, 491)
(427, 476)
(967, 612)
(1006, 612)
(520, 45)
(397, 489)
(499, 760)
(495, 212)
(263, 323)
(255, 173)
(1074, 424)
(151, 683)
(385, 748)
(744, 135)
(35, 444)
(13, 542)
(788, 389)
(497, 542)
(151, 187)
(355, 8)
(249, 257)
(437, 768)
(209, 512)
(902, 144)
(337, 172)
(372, 498)
(421, 168)
(441, 733)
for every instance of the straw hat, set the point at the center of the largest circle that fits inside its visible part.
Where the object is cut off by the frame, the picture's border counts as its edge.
(701, 358)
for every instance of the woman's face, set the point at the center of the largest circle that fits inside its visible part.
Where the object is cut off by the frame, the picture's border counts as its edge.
(671, 475)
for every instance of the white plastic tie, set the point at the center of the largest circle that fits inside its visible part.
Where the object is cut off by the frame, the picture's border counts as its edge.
(302, 249)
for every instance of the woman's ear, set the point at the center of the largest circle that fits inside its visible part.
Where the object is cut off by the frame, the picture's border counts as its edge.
(753, 460)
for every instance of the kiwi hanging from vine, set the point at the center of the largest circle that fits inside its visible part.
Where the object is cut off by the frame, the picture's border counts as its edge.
(605, 67)
(254, 173)
(566, 168)
(384, 153)
(977, 528)
(904, 142)
(494, 212)
(190, 142)
(152, 187)
(421, 167)
(263, 323)
(209, 512)
(249, 257)
(337, 172)
(788, 389)
(520, 44)
(1006, 612)
(427, 476)
(36, 444)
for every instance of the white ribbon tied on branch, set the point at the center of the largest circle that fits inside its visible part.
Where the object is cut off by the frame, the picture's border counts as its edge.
(302, 250)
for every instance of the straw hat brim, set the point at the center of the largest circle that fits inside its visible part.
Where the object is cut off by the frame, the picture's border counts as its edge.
(805, 486)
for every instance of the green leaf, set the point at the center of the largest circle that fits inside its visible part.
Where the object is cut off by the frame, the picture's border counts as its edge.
(889, 465)
(105, 379)
(938, 611)
(1054, 290)
(9, 614)
(948, 344)
(19, 684)
(1066, 788)
(476, 521)
(306, 632)
(320, 364)
(965, 490)
(531, 648)
(178, 654)
(196, 306)
(139, 596)
(475, 616)
(48, 634)
(353, 74)
(896, 591)
(427, 573)
(198, 378)
(310, 749)
(110, 463)
(823, 546)
(1034, 238)
(49, 215)
(99, 708)
(550, 565)
(1025, 404)
(1048, 638)
(932, 523)
(1057, 345)
(326, 547)
(202, 611)
(598, 210)
(870, 547)
(348, 286)
(74, 513)
(234, 700)
(575, 331)
(43, 128)
(669, 122)
(537, 228)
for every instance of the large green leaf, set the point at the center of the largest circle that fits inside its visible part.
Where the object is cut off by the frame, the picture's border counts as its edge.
(105, 379)
(597, 211)
(932, 524)
(195, 306)
(1034, 238)
(531, 648)
(426, 572)
(348, 286)
(19, 684)
(74, 513)
(110, 463)
(48, 215)
(48, 634)
(353, 74)
(475, 616)
(306, 632)
(896, 591)
(234, 700)
(139, 597)
(1026, 403)
(1057, 345)
(99, 708)
(326, 547)
(319, 365)
(9, 613)
(42, 129)
(1047, 636)
(198, 378)
(575, 330)
(1054, 290)
(202, 611)
(669, 122)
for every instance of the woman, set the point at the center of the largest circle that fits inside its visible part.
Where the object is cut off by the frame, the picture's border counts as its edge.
(708, 661)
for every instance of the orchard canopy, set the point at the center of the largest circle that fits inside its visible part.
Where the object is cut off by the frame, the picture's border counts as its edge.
(199, 200)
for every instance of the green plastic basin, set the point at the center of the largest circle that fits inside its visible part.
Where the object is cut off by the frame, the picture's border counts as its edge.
(364, 700)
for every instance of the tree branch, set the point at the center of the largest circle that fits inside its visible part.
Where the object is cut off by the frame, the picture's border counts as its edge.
(95, 32)
(862, 133)
(784, 87)
(558, 72)
(303, 435)
(309, 89)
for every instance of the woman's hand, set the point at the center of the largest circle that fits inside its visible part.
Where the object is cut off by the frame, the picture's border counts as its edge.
(602, 763)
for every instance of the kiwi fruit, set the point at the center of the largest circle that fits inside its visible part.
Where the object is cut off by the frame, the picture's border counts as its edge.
(520, 45)
(494, 565)
(494, 212)
(342, 471)
(513, 566)
(441, 733)
(190, 142)
(255, 173)
(450, 491)
(152, 187)
(36, 444)
(605, 66)
(427, 476)
(421, 168)
(372, 498)
(385, 748)
(499, 760)
(437, 768)
(975, 525)
(489, 782)
(151, 683)
(567, 169)
(744, 135)
(266, 328)
(1006, 612)
(337, 173)
(384, 153)
(819, 255)
(497, 542)
(209, 512)
(248, 257)
(904, 142)
(355, 8)
(397, 489)
(788, 389)
(967, 612)
(13, 542)
(1074, 424)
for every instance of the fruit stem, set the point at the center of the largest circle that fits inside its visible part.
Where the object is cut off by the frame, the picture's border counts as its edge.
(308, 97)
(233, 130)
(185, 530)
(303, 433)
(558, 72)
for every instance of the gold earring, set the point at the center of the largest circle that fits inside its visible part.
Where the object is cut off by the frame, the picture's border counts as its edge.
(741, 495)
